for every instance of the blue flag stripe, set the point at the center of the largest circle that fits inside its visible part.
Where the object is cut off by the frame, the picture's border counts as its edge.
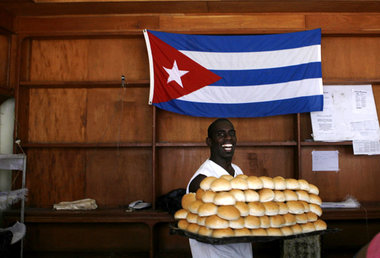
(268, 76)
(260, 109)
(240, 43)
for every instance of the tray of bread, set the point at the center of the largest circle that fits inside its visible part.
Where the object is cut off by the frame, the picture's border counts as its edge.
(249, 208)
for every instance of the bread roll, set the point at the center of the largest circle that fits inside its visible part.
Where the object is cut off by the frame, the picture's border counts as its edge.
(305, 206)
(315, 199)
(259, 232)
(297, 229)
(313, 189)
(182, 224)
(194, 206)
(207, 209)
(290, 219)
(187, 200)
(308, 227)
(201, 221)
(292, 184)
(228, 177)
(224, 198)
(271, 208)
(193, 228)
(251, 195)
(277, 221)
(252, 222)
(205, 231)
(206, 183)
(254, 183)
(302, 195)
(295, 207)
(237, 224)
(311, 217)
(274, 232)
(199, 193)
(279, 196)
(208, 197)
(215, 222)
(228, 212)
(242, 176)
(320, 225)
(286, 231)
(180, 214)
(220, 184)
(264, 221)
(267, 182)
(242, 232)
(256, 209)
(239, 183)
(238, 194)
(315, 209)
(243, 208)
(279, 183)
(304, 185)
(226, 232)
(301, 218)
(282, 208)
(192, 218)
(266, 195)
(290, 195)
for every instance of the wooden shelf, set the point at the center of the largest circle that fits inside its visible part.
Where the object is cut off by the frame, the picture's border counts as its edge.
(114, 215)
(364, 212)
(84, 84)
(86, 145)
(312, 143)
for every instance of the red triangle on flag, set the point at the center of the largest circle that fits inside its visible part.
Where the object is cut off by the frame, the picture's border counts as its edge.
(172, 68)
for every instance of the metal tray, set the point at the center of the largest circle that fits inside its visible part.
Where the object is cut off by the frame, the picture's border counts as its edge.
(174, 230)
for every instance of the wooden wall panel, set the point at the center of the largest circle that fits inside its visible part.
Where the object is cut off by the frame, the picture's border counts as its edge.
(351, 58)
(116, 177)
(266, 161)
(89, 59)
(57, 115)
(118, 115)
(358, 175)
(55, 175)
(168, 243)
(232, 23)
(345, 22)
(4, 57)
(70, 239)
(176, 166)
(172, 127)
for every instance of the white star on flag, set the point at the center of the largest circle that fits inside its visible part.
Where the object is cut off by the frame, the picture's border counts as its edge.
(175, 74)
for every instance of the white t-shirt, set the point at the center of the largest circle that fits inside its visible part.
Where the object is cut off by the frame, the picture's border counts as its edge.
(203, 250)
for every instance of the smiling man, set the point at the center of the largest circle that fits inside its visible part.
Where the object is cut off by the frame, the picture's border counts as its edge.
(222, 142)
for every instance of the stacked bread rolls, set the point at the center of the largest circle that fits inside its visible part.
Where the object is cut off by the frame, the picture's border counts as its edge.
(251, 206)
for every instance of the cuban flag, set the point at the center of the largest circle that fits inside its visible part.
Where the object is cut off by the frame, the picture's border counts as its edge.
(235, 76)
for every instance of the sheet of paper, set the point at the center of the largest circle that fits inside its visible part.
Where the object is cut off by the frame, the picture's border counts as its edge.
(349, 113)
(325, 160)
(366, 147)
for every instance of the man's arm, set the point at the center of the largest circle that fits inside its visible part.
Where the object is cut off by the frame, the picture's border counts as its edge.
(195, 183)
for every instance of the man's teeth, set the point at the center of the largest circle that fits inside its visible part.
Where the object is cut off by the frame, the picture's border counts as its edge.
(227, 147)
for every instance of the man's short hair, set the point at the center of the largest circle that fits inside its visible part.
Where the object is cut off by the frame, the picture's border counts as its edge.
(213, 124)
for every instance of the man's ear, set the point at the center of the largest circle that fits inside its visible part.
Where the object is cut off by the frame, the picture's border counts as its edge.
(208, 141)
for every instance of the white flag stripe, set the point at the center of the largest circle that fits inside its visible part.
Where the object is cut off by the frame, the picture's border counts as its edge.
(255, 60)
(250, 94)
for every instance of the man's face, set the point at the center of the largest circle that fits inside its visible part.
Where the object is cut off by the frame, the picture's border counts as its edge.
(223, 140)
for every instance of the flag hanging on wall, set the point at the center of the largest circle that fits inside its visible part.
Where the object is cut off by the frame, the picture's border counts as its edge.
(235, 76)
